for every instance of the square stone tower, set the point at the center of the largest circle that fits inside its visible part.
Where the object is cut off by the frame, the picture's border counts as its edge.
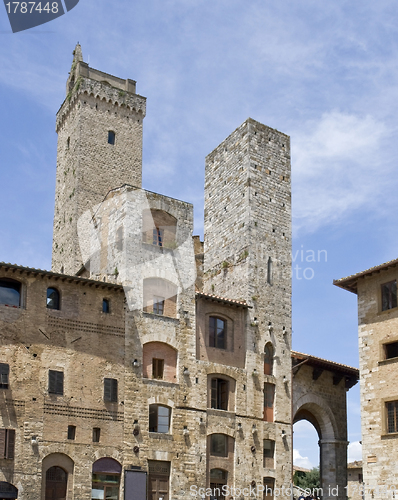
(99, 128)
(248, 257)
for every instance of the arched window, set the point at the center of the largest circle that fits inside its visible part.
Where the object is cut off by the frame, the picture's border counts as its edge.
(8, 490)
(53, 301)
(268, 359)
(218, 478)
(159, 418)
(10, 292)
(56, 483)
(111, 137)
(217, 332)
(106, 306)
(106, 479)
(219, 445)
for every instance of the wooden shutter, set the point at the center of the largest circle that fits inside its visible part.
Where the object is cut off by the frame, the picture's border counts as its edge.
(107, 389)
(59, 387)
(2, 443)
(212, 331)
(223, 389)
(214, 393)
(10, 443)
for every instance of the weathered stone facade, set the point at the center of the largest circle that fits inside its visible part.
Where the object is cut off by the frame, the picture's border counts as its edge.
(128, 359)
(378, 366)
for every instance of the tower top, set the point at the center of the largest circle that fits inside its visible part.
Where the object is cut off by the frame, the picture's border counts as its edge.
(77, 54)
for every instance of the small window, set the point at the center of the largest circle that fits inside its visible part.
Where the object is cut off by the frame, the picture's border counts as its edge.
(67, 143)
(158, 305)
(391, 350)
(269, 394)
(269, 487)
(157, 368)
(96, 434)
(4, 371)
(55, 382)
(72, 432)
(269, 271)
(219, 445)
(217, 332)
(158, 236)
(268, 359)
(268, 453)
(7, 443)
(219, 394)
(218, 480)
(110, 390)
(10, 292)
(106, 306)
(159, 419)
(392, 416)
(111, 137)
(389, 295)
(53, 298)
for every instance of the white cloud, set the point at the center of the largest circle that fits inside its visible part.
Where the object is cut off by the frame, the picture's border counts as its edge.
(354, 451)
(301, 461)
(338, 167)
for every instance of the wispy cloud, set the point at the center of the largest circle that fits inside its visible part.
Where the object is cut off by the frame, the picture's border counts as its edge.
(301, 461)
(354, 451)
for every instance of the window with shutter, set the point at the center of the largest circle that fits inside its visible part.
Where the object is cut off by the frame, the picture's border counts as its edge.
(56, 382)
(217, 332)
(7, 443)
(110, 390)
(4, 371)
(219, 394)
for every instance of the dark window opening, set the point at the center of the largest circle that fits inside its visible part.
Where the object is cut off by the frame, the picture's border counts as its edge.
(96, 434)
(389, 295)
(269, 395)
(219, 394)
(10, 292)
(158, 305)
(391, 350)
(392, 416)
(4, 371)
(110, 390)
(158, 236)
(106, 306)
(268, 453)
(217, 332)
(269, 486)
(268, 359)
(157, 368)
(7, 443)
(72, 432)
(219, 445)
(67, 143)
(55, 382)
(111, 137)
(218, 479)
(269, 270)
(159, 419)
(53, 298)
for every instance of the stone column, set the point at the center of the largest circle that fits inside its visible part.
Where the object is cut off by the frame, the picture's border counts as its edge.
(333, 468)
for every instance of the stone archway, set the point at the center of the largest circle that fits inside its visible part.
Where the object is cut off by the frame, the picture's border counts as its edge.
(319, 396)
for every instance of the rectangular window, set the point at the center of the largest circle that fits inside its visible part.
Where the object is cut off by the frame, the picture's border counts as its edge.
(158, 305)
(159, 419)
(72, 432)
(217, 332)
(55, 382)
(158, 237)
(391, 350)
(219, 394)
(392, 416)
(110, 390)
(389, 295)
(219, 445)
(7, 443)
(269, 394)
(157, 368)
(4, 371)
(96, 434)
(268, 452)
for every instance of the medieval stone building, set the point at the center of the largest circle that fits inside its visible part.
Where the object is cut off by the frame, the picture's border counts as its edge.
(148, 364)
(378, 365)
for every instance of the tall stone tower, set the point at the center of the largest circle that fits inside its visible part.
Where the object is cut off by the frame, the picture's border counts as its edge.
(99, 128)
(248, 257)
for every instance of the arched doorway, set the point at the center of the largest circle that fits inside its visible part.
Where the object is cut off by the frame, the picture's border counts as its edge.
(7, 491)
(106, 479)
(56, 483)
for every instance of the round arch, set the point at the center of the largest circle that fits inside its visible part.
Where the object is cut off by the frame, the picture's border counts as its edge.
(57, 469)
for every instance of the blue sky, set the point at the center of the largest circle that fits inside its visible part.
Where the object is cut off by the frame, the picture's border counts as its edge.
(325, 73)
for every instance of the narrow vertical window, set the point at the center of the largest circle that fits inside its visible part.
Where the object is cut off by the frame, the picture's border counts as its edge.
(105, 306)
(111, 137)
(157, 368)
(269, 271)
(217, 332)
(219, 394)
(96, 434)
(72, 432)
(67, 143)
(158, 305)
(4, 371)
(110, 390)
(158, 236)
(268, 453)
(55, 382)
(268, 359)
(53, 301)
(7, 443)
(389, 295)
(269, 394)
